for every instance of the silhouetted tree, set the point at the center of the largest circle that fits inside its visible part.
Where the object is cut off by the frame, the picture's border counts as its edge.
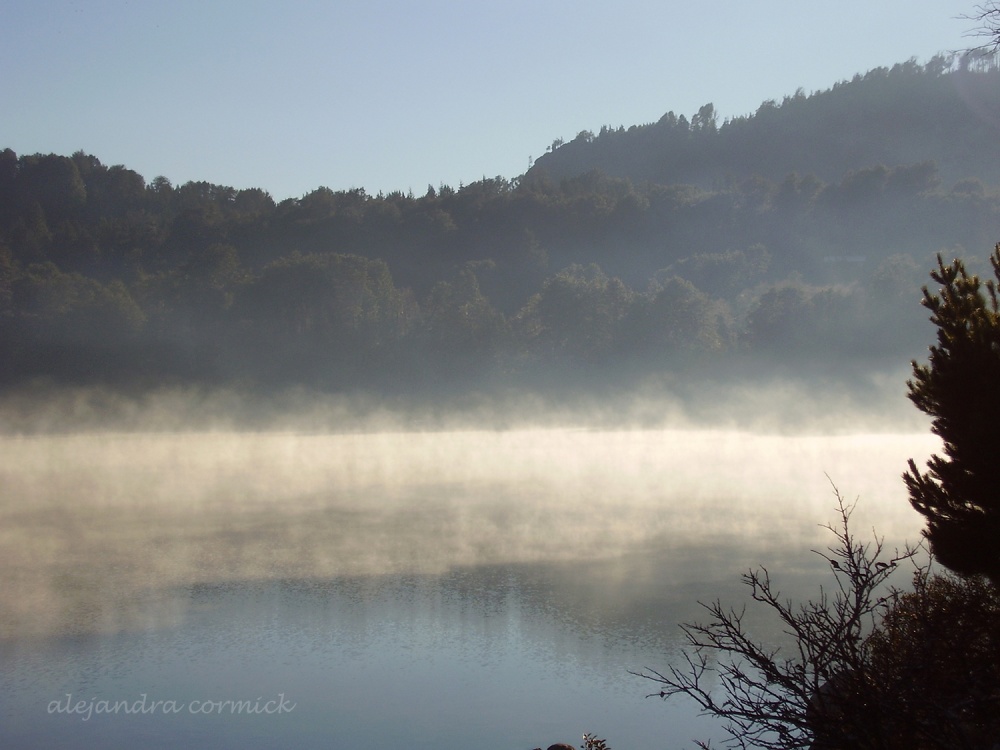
(945, 678)
(824, 692)
(960, 494)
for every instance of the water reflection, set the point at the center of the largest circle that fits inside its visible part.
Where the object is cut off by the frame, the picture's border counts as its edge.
(430, 589)
(501, 657)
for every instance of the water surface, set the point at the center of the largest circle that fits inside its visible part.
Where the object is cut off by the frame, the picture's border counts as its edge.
(427, 589)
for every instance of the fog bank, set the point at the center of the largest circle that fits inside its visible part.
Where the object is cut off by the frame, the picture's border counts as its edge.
(869, 402)
(99, 531)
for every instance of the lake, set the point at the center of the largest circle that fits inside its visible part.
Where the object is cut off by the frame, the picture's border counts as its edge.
(448, 589)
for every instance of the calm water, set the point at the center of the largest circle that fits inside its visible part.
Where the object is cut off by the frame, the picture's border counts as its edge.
(427, 590)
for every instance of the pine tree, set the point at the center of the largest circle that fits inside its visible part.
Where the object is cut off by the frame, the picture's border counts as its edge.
(959, 388)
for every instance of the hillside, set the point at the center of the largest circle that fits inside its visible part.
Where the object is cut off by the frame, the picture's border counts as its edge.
(943, 112)
(793, 241)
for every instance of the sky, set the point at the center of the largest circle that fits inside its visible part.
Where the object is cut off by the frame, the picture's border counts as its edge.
(390, 95)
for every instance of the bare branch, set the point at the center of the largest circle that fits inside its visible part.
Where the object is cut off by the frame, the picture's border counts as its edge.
(769, 699)
(987, 17)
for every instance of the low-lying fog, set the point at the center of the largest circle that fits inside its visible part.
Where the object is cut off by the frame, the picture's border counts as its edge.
(98, 529)
(507, 561)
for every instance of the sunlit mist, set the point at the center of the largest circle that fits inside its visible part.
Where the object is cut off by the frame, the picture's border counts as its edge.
(98, 530)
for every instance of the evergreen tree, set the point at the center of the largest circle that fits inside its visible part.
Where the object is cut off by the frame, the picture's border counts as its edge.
(960, 389)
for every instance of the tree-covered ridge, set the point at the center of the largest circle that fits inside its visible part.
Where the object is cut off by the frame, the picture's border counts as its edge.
(107, 277)
(946, 111)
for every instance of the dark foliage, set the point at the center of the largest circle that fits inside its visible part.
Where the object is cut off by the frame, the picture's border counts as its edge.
(938, 650)
(959, 495)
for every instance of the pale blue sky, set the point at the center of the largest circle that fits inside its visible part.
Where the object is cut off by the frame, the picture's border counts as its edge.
(387, 94)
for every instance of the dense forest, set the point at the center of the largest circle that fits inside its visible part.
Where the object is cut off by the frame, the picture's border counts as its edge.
(795, 238)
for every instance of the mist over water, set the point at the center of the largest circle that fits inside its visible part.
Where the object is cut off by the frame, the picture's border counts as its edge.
(533, 564)
(93, 523)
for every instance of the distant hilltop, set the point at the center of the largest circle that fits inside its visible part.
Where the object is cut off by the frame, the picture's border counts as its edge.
(947, 112)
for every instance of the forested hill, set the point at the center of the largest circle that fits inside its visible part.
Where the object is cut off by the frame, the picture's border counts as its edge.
(946, 112)
(797, 238)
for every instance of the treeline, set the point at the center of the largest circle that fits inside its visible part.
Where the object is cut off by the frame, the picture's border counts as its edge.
(945, 111)
(107, 278)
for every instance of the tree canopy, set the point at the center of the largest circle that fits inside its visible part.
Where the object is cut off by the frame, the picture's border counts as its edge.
(766, 247)
(959, 495)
